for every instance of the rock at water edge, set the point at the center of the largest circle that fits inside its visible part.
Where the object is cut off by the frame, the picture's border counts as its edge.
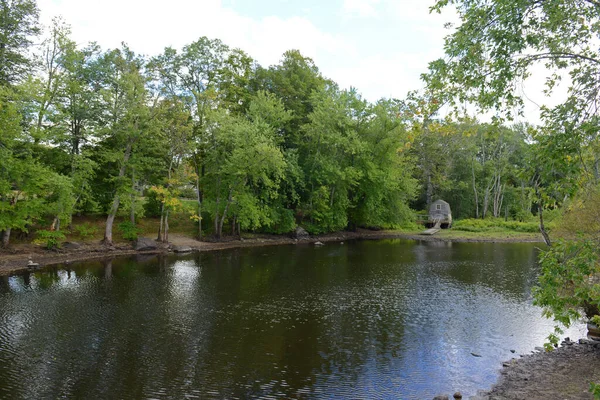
(182, 249)
(142, 244)
(71, 246)
(300, 233)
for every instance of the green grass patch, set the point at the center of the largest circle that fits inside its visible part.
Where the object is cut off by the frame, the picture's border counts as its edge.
(497, 225)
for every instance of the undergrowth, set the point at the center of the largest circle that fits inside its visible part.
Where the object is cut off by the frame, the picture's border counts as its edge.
(497, 224)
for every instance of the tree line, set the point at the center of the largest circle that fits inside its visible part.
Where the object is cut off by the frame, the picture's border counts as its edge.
(91, 131)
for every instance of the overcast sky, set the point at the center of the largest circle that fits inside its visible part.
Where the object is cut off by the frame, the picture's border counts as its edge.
(378, 46)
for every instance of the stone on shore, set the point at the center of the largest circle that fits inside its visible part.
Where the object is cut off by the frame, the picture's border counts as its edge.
(182, 249)
(71, 246)
(143, 244)
(564, 373)
(300, 233)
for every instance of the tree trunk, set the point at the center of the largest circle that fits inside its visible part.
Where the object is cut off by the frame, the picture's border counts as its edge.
(501, 201)
(160, 225)
(429, 198)
(6, 237)
(166, 231)
(498, 195)
(525, 200)
(132, 211)
(486, 201)
(110, 220)
(475, 191)
(199, 207)
(541, 214)
(542, 227)
(217, 200)
(229, 199)
(55, 224)
(331, 196)
(115, 206)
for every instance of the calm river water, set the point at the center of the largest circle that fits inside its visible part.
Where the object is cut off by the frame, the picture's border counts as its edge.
(364, 319)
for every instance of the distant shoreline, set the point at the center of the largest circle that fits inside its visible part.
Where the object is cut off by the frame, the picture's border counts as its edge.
(16, 258)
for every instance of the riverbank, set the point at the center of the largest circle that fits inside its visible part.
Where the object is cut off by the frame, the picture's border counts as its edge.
(17, 257)
(565, 374)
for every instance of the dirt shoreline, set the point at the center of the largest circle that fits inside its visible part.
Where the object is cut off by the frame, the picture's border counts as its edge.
(16, 259)
(562, 374)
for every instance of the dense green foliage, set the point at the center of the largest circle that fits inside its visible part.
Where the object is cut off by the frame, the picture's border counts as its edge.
(108, 132)
(18, 25)
(500, 43)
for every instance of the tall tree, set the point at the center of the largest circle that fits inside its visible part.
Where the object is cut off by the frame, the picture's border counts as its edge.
(294, 80)
(126, 119)
(174, 138)
(28, 189)
(245, 155)
(18, 25)
(205, 74)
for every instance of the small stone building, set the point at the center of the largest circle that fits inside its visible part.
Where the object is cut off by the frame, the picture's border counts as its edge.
(439, 211)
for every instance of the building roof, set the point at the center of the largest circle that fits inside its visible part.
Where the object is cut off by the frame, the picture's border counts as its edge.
(440, 201)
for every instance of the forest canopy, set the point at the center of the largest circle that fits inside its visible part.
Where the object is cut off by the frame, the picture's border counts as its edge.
(206, 131)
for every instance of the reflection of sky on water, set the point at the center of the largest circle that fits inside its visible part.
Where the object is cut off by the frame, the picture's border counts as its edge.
(373, 319)
(184, 277)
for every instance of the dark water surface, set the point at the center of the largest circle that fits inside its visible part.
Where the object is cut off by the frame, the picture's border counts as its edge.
(364, 319)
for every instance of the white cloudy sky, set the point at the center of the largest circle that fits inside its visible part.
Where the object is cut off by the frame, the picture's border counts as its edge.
(378, 46)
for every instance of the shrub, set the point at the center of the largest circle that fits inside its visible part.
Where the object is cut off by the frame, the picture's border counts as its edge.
(86, 231)
(495, 224)
(188, 193)
(569, 284)
(50, 239)
(128, 230)
(152, 205)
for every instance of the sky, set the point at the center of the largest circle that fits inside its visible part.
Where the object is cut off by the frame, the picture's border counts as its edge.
(380, 47)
